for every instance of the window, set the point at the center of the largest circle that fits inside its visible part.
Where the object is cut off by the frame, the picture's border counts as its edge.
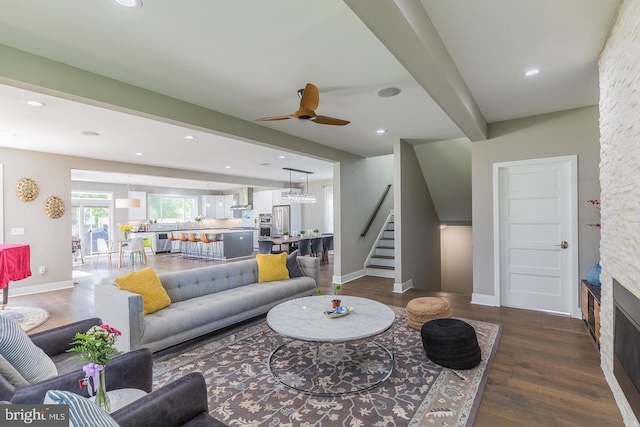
(166, 208)
(93, 195)
(328, 209)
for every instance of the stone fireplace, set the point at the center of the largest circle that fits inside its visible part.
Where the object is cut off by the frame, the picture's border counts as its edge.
(620, 206)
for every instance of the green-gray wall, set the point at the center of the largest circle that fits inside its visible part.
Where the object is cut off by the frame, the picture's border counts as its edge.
(361, 184)
(417, 235)
(571, 132)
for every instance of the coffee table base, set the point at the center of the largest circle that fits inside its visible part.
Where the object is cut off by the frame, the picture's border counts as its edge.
(348, 368)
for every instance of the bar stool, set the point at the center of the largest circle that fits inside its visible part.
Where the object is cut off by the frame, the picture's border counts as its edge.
(173, 240)
(204, 241)
(184, 244)
(217, 245)
(194, 240)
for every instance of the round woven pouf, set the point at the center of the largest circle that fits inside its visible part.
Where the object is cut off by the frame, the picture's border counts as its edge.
(451, 343)
(421, 310)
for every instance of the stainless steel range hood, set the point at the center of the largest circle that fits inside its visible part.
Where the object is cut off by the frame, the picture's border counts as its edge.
(245, 199)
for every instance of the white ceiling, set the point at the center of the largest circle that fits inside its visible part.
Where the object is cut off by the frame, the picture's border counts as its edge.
(248, 58)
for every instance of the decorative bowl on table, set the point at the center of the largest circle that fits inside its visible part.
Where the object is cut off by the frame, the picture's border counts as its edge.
(339, 311)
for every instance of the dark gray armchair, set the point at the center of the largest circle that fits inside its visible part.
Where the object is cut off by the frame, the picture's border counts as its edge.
(180, 403)
(129, 370)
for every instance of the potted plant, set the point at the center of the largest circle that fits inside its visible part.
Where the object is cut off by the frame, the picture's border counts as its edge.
(316, 231)
(302, 232)
(198, 219)
(285, 235)
(336, 291)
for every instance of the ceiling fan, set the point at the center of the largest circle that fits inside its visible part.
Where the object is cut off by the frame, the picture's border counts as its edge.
(308, 103)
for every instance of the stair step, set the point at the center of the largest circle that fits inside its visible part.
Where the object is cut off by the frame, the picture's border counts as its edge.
(382, 261)
(380, 272)
(385, 247)
(383, 267)
(384, 256)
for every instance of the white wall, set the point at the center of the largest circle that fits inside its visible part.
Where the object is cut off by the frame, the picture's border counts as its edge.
(417, 227)
(548, 135)
(456, 243)
(620, 177)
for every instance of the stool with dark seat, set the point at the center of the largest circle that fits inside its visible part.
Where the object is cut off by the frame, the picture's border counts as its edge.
(451, 343)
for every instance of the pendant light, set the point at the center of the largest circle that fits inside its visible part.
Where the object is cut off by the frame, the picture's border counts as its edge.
(128, 202)
(298, 197)
(208, 195)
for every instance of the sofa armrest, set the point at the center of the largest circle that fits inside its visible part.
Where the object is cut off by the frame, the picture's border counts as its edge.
(57, 340)
(124, 311)
(129, 370)
(7, 390)
(175, 404)
(311, 267)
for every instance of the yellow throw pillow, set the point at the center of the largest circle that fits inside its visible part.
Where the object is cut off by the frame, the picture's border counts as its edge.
(146, 283)
(272, 267)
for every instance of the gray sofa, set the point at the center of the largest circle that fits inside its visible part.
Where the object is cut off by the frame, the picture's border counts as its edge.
(203, 300)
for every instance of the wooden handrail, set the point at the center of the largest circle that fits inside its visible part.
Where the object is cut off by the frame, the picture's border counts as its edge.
(375, 211)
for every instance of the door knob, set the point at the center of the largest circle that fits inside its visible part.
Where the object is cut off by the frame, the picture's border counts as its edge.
(564, 244)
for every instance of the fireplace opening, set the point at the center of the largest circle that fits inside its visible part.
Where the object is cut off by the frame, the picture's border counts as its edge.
(626, 344)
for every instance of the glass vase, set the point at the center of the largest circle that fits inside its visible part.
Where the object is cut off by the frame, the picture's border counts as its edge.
(126, 235)
(102, 398)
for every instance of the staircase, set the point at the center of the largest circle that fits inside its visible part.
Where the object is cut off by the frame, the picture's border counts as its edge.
(381, 260)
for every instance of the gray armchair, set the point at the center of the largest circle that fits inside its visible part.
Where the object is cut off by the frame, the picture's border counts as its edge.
(129, 370)
(180, 403)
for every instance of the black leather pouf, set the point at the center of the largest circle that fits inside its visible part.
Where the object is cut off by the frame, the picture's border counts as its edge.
(451, 343)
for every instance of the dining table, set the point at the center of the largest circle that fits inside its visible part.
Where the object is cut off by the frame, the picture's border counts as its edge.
(121, 245)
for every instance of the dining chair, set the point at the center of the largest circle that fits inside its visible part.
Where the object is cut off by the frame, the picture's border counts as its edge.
(136, 247)
(146, 243)
(265, 246)
(327, 245)
(304, 247)
(104, 249)
(316, 246)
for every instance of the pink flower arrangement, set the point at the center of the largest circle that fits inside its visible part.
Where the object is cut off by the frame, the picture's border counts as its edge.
(97, 345)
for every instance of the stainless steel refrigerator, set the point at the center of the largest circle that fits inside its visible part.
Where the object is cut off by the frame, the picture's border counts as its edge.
(286, 218)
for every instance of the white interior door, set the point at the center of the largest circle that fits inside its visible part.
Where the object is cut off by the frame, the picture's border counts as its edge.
(537, 233)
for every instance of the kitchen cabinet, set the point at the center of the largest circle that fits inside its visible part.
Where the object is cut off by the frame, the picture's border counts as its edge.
(229, 200)
(138, 214)
(210, 211)
(263, 201)
(256, 237)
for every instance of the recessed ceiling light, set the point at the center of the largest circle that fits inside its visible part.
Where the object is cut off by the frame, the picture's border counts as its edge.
(228, 167)
(134, 4)
(443, 226)
(89, 133)
(281, 157)
(381, 131)
(189, 137)
(36, 103)
(532, 72)
(139, 154)
(388, 92)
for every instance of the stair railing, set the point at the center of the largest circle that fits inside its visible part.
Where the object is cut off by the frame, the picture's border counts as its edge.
(375, 211)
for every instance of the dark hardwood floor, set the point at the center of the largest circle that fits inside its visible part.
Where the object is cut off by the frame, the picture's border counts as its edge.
(546, 371)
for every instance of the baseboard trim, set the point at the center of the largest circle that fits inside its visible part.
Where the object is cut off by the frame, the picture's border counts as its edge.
(400, 288)
(348, 277)
(37, 289)
(482, 299)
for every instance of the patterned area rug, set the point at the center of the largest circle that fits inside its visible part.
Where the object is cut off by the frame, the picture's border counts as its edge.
(243, 392)
(27, 317)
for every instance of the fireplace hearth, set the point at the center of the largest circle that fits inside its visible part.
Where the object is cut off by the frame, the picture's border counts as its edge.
(626, 344)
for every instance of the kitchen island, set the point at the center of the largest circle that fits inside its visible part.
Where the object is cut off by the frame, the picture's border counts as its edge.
(228, 243)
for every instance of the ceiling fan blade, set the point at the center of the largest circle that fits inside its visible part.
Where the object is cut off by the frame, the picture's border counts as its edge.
(310, 98)
(271, 119)
(326, 120)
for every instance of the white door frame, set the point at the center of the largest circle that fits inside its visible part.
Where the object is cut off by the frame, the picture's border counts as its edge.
(573, 247)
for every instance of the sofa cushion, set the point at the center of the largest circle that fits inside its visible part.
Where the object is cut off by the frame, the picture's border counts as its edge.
(27, 358)
(293, 265)
(82, 411)
(11, 374)
(272, 267)
(146, 283)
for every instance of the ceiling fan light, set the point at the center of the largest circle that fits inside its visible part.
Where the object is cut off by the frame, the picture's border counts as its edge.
(134, 4)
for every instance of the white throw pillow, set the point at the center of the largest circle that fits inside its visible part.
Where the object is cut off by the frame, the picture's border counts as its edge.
(82, 411)
(10, 374)
(28, 359)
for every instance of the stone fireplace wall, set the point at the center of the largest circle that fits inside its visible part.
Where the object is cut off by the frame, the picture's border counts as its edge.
(620, 176)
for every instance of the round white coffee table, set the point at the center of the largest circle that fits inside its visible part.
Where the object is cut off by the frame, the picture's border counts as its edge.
(303, 320)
